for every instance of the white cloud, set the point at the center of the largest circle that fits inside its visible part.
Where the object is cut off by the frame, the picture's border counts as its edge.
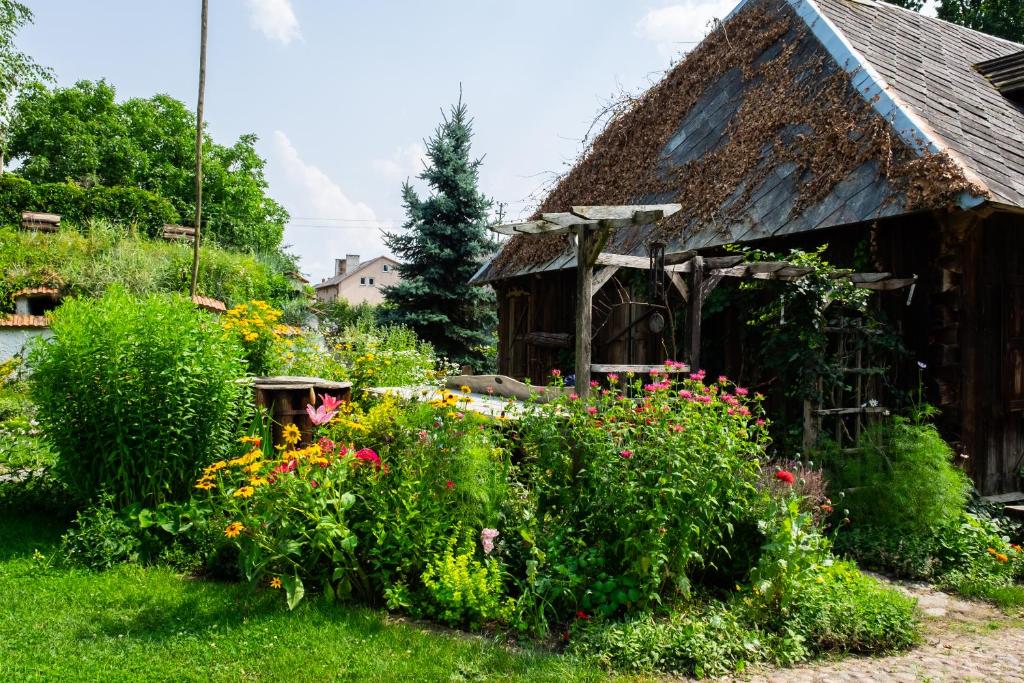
(678, 28)
(404, 162)
(275, 19)
(931, 8)
(312, 198)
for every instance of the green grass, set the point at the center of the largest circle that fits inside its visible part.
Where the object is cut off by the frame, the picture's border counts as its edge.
(150, 624)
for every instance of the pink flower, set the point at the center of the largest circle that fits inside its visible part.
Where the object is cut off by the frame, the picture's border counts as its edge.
(594, 384)
(678, 428)
(555, 372)
(722, 379)
(740, 391)
(326, 445)
(449, 484)
(785, 477)
(423, 435)
(313, 484)
(487, 537)
(613, 378)
(697, 376)
(592, 410)
(330, 404)
(626, 453)
(574, 396)
(759, 422)
(490, 389)
(368, 455)
(320, 416)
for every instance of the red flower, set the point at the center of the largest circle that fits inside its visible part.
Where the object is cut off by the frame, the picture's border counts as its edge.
(826, 507)
(592, 410)
(580, 614)
(555, 372)
(784, 476)
(626, 453)
(368, 455)
(449, 484)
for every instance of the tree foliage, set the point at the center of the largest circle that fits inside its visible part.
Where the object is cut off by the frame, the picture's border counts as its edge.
(1003, 18)
(443, 247)
(16, 68)
(81, 134)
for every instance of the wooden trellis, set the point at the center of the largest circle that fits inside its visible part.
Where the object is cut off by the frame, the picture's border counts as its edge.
(589, 227)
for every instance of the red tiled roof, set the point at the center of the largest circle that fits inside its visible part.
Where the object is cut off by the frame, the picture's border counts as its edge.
(18, 320)
(209, 304)
(29, 291)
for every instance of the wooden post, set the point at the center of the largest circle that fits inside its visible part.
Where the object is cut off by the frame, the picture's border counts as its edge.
(205, 11)
(696, 303)
(584, 306)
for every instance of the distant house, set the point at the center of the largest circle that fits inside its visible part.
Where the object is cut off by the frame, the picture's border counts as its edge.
(358, 283)
(28, 321)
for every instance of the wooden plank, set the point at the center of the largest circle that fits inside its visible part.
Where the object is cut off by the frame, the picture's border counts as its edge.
(1000, 498)
(640, 262)
(760, 267)
(722, 261)
(566, 220)
(696, 304)
(679, 257)
(865, 410)
(636, 213)
(677, 280)
(857, 278)
(602, 276)
(538, 227)
(887, 285)
(639, 369)
(584, 307)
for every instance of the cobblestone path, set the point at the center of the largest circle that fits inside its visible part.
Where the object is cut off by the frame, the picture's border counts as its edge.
(963, 641)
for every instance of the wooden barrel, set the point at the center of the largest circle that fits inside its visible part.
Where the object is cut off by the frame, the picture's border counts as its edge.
(286, 398)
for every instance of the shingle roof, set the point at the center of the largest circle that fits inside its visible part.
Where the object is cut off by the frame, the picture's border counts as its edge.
(32, 291)
(18, 320)
(929, 66)
(913, 72)
(209, 304)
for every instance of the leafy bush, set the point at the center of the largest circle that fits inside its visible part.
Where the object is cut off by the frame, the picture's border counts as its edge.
(633, 500)
(384, 356)
(254, 326)
(128, 205)
(100, 538)
(842, 610)
(135, 395)
(904, 479)
(704, 640)
(463, 591)
(86, 259)
(361, 521)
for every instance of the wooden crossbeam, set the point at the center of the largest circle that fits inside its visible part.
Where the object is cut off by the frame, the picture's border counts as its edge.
(640, 369)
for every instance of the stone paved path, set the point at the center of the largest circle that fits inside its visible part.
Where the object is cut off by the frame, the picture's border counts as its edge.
(963, 641)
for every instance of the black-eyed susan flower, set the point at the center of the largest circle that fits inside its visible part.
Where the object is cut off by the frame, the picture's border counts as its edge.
(232, 530)
(291, 434)
(275, 582)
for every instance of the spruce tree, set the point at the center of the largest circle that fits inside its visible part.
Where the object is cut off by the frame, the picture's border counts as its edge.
(444, 243)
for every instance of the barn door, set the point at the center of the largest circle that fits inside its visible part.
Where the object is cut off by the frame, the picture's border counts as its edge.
(1013, 343)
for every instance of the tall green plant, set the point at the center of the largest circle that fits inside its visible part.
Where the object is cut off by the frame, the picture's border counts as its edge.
(136, 395)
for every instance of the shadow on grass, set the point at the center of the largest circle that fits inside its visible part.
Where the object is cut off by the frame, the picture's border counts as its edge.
(21, 535)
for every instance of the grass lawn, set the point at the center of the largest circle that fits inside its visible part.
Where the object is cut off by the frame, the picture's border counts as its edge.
(150, 624)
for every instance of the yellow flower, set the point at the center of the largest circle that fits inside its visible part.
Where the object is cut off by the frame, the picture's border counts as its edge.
(291, 434)
(465, 389)
(258, 481)
(254, 440)
(205, 484)
(275, 583)
(1002, 558)
(251, 336)
(244, 492)
(233, 529)
(254, 467)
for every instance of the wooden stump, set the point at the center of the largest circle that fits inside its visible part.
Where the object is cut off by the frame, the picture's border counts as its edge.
(286, 398)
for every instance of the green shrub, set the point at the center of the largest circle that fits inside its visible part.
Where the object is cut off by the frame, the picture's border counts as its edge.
(136, 395)
(635, 500)
(384, 356)
(100, 538)
(464, 591)
(127, 205)
(904, 479)
(704, 640)
(842, 610)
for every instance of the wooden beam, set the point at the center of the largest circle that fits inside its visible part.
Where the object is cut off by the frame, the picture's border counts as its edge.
(857, 278)
(640, 369)
(584, 307)
(887, 285)
(679, 257)
(762, 267)
(640, 262)
(696, 303)
(680, 284)
(637, 214)
(602, 276)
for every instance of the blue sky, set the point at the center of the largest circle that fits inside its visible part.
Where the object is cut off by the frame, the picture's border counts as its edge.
(342, 93)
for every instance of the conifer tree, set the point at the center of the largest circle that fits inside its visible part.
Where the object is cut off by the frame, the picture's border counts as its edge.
(444, 243)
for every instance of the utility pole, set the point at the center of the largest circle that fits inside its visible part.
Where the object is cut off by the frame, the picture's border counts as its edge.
(199, 148)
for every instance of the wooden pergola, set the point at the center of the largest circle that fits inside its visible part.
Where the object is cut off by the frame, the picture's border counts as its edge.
(589, 228)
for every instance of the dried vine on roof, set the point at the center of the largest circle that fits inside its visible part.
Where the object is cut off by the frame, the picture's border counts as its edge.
(799, 114)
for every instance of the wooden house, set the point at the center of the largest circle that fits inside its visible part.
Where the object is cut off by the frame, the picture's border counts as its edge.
(796, 123)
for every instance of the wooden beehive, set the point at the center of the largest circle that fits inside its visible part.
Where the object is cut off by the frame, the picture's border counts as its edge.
(40, 222)
(286, 399)
(178, 232)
